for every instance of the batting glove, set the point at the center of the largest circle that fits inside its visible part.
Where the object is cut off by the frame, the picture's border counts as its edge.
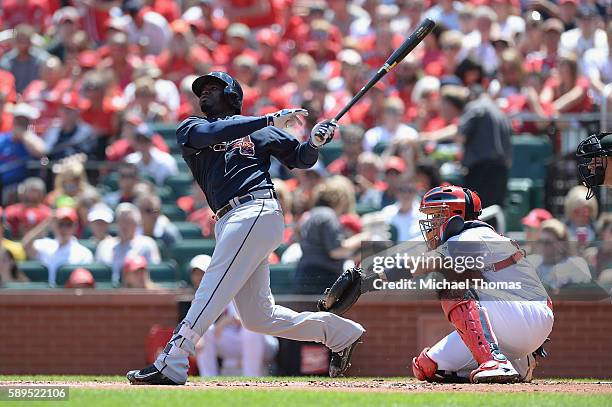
(322, 133)
(286, 118)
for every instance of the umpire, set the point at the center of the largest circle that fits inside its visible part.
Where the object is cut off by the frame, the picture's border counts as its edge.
(229, 156)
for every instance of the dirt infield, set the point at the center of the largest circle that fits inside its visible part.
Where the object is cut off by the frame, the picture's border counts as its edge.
(354, 385)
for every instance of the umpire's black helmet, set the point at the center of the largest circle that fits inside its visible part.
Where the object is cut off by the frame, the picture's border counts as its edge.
(232, 90)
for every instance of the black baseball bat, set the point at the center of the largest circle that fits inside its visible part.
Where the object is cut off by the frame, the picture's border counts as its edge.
(407, 46)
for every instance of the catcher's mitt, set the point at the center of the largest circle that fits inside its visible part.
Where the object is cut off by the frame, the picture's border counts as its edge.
(343, 293)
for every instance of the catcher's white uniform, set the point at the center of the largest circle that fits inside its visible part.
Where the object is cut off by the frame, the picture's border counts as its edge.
(520, 318)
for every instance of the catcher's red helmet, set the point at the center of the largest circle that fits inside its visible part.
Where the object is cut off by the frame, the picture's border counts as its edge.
(442, 203)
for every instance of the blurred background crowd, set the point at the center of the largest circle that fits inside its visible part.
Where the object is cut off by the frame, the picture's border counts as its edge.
(94, 192)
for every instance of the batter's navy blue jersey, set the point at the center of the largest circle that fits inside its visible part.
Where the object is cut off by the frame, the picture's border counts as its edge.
(243, 165)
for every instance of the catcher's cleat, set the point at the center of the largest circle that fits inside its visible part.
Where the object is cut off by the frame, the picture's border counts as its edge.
(149, 375)
(341, 361)
(494, 371)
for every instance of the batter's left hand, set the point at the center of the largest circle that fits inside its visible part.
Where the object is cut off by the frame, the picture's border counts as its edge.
(323, 132)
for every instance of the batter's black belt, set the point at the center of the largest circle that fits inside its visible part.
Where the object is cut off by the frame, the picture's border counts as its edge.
(239, 200)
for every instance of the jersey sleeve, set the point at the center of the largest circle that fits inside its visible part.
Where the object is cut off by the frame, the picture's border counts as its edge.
(289, 150)
(199, 133)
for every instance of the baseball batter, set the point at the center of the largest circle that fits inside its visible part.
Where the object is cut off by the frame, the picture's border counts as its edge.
(229, 157)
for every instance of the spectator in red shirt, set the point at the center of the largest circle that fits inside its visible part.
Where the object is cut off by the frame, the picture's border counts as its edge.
(45, 93)
(320, 43)
(209, 29)
(245, 71)
(300, 72)
(268, 95)
(368, 111)
(65, 24)
(183, 56)
(426, 96)
(169, 9)
(450, 43)
(270, 53)
(7, 86)
(119, 60)
(190, 104)
(30, 211)
(406, 75)
(101, 110)
(6, 118)
(125, 145)
(32, 12)
(237, 37)
(254, 13)
(566, 90)
(546, 58)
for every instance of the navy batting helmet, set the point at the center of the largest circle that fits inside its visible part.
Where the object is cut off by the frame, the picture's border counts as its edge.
(232, 90)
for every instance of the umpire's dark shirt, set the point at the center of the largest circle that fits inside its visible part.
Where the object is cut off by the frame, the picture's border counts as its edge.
(243, 166)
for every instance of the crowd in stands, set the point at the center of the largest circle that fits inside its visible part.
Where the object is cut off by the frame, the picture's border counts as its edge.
(87, 174)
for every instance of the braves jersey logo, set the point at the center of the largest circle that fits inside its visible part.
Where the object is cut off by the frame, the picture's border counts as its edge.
(244, 145)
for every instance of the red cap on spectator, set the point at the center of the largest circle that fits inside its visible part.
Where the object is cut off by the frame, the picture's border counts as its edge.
(576, 2)
(268, 37)
(88, 59)
(134, 263)
(395, 163)
(66, 212)
(351, 222)
(535, 217)
(180, 27)
(80, 277)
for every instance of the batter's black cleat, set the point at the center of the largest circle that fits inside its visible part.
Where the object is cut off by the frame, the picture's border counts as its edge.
(341, 361)
(149, 375)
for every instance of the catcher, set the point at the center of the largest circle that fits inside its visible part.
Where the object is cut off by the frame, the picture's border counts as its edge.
(497, 331)
(594, 156)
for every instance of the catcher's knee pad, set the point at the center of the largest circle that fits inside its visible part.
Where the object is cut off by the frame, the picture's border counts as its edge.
(471, 322)
(424, 367)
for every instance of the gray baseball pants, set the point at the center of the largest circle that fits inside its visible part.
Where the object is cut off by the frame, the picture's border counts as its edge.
(239, 270)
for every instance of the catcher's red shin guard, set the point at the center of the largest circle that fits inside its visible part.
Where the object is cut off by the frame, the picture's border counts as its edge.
(472, 324)
(424, 367)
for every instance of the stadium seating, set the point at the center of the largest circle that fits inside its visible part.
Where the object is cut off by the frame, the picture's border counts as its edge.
(173, 212)
(189, 230)
(180, 183)
(165, 272)
(330, 152)
(100, 272)
(281, 279)
(518, 202)
(35, 271)
(184, 250)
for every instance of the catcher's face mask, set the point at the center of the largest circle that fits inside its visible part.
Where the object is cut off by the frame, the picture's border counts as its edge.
(433, 226)
(592, 163)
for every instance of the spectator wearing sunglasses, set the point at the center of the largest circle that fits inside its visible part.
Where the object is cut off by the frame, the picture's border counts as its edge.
(154, 223)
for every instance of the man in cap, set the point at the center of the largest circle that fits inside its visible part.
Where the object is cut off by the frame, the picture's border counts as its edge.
(229, 156)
